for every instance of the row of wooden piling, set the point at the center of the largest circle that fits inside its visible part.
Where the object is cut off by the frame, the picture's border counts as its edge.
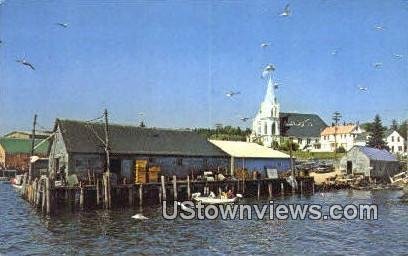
(39, 194)
(101, 195)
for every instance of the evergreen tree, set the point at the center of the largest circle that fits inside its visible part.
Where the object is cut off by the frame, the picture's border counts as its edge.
(377, 134)
(394, 125)
(402, 129)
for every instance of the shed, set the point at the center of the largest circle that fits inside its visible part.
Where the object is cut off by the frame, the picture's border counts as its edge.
(253, 157)
(78, 147)
(15, 153)
(370, 162)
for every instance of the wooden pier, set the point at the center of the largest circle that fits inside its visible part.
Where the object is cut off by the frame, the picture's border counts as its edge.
(42, 195)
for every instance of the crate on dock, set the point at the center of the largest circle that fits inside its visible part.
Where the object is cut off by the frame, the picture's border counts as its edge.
(141, 171)
(154, 172)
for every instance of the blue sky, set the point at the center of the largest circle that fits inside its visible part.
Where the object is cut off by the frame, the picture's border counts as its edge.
(174, 60)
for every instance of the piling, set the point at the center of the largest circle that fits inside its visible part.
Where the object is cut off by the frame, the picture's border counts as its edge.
(98, 199)
(188, 188)
(163, 188)
(301, 187)
(313, 187)
(259, 190)
(282, 189)
(130, 196)
(81, 198)
(270, 190)
(175, 187)
(48, 195)
(43, 199)
(141, 195)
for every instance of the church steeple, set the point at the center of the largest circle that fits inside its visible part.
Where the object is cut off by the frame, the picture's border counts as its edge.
(270, 92)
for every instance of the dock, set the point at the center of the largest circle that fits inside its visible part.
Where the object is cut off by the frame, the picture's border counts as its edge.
(50, 200)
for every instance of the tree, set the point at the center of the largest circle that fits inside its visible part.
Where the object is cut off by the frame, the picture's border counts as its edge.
(341, 149)
(394, 125)
(402, 129)
(377, 134)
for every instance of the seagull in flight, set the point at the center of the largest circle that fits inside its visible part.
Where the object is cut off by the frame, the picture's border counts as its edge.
(64, 25)
(399, 56)
(363, 89)
(264, 45)
(286, 12)
(267, 70)
(334, 52)
(231, 94)
(244, 119)
(377, 65)
(24, 62)
(380, 28)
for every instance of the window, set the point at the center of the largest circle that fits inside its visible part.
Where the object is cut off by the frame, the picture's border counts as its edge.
(299, 141)
(308, 141)
(392, 149)
(398, 139)
(179, 161)
(392, 138)
(265, 129)
(399, 148)
(273, 129)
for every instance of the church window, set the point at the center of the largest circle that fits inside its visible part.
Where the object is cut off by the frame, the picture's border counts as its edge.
(265, 129)
(273, 128)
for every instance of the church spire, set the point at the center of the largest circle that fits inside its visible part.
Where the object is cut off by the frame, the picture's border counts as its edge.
(270, 91)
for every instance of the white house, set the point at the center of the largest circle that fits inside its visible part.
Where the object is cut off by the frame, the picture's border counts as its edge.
(395, 142)
(344, 135)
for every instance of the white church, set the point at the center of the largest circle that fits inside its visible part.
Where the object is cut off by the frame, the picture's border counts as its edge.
(271, 125)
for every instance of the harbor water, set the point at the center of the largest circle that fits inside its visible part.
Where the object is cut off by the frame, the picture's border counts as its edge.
(24, 231)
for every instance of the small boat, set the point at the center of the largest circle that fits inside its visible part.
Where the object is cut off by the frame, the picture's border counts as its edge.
(212, 199)
(17, 182)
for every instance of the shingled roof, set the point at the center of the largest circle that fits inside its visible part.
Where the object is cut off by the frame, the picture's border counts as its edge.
(82, 137)
(301, 125)
(377, 154)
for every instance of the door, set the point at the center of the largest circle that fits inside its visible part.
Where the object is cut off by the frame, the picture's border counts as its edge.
(349, 167)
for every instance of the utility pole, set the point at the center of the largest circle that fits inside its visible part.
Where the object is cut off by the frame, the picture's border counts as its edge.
(336, 118)
(105, 114)
(30, 168)
(291, 164)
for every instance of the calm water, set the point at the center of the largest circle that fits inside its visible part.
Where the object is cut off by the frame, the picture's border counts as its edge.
(25, 232)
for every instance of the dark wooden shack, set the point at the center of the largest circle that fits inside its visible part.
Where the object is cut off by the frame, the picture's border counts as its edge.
(78, 148)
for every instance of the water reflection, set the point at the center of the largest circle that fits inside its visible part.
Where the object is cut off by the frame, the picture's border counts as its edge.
(24, 231)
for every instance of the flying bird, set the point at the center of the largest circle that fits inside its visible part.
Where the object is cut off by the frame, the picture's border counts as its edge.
(24, 62)
(377, 65)
(379, 28)
(264, 45)
(64, 25)
(334, 52)
(244, 119)
(399, 56)
(363, 89)
(286, 12)
(232, 94)
(268, 70)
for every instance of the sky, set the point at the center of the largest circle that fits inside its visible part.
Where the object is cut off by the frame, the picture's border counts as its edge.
(174, 61)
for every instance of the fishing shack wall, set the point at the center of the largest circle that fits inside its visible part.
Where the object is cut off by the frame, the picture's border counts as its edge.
(58, 159)
(356, 161)
(124, 165)
(261, 164)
